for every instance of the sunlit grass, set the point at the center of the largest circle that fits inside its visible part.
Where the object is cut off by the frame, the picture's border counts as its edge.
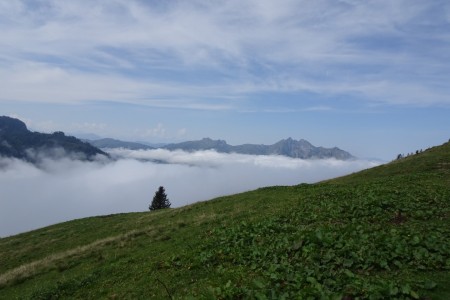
(380, 233)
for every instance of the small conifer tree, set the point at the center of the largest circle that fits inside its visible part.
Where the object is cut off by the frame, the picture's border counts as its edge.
(160, 200)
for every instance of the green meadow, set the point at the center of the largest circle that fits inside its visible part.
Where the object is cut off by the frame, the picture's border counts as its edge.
(383, 233)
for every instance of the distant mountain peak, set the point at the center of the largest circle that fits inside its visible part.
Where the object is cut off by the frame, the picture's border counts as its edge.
(18, 142)
(8, 124)
(207, 139)
(106, 143)
(286, 147)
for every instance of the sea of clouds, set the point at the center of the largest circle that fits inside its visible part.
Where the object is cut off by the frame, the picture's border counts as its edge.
(33, 196)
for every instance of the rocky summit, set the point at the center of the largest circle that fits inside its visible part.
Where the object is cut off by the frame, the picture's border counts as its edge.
(18, 142)
(287, 147)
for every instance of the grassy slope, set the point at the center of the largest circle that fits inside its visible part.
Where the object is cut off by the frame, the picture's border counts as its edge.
(383, 232)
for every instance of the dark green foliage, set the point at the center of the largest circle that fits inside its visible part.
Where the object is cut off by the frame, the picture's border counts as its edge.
(160, 200)
(18, 142)
(349, 244)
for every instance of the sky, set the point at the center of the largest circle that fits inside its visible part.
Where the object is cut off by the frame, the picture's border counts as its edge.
(57, 190)
(370, 77)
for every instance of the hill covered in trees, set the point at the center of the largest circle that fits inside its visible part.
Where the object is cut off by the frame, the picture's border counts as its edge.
(383, 233)
(18, 142)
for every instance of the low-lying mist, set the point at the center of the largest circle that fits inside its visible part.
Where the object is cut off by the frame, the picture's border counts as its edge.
(64, 189)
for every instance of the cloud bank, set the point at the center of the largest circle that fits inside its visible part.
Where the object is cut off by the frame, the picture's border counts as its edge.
(64, 189)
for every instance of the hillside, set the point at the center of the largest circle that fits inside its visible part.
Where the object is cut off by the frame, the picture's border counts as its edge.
(381, 233)
(18, 142)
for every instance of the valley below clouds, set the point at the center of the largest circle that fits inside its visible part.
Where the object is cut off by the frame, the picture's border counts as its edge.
(64, 189)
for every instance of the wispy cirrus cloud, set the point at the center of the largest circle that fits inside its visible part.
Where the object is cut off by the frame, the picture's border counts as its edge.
(201, 55)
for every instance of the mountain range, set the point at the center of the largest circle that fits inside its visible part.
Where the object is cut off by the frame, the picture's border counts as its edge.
(108, 143)
(19, 142)
(287, 147)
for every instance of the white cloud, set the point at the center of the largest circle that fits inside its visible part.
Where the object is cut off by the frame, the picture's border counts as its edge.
(88, 127)
(182, 132)
(159, 131)
(67, 189)
(39, 82)
(66, 51)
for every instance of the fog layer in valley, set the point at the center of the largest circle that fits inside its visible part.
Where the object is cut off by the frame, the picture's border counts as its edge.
(65, 189)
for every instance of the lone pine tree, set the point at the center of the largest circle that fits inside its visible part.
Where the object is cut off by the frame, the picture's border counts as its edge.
(160, 200)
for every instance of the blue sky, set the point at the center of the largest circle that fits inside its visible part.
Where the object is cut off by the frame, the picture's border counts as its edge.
(371, 77)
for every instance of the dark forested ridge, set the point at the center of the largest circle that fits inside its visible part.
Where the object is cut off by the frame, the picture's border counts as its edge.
(19, 142)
